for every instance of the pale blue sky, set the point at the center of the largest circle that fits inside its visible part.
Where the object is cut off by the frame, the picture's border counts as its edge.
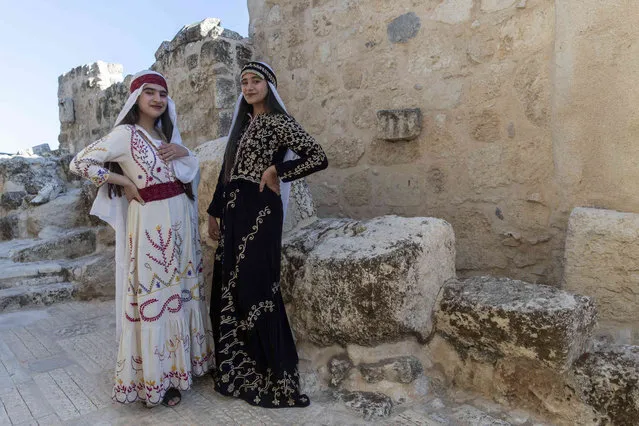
(42, 39)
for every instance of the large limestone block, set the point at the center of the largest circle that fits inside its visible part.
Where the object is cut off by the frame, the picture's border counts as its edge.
(601, 261)
(366, 282)
(609, 381)
(499, 317)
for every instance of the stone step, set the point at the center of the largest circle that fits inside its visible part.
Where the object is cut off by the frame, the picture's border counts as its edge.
(37, 295)
(30, 274)
(69, 245)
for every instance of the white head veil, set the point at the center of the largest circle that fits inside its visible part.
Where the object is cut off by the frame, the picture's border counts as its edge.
(266, 72)
(114, 210)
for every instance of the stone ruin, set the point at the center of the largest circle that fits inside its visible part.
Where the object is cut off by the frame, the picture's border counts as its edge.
(383, 313)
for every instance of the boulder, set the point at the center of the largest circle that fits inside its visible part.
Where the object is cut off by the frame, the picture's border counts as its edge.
(609, 381)
(366, 282)
(498, 317)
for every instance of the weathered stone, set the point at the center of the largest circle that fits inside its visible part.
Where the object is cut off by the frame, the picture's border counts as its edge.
(95, 276)
(192, 61)
(609, 381)
(242, 55)
(69, 246)
(399, 370)
(217, 50)
(301, 208)
(12, 200)
(366, 282)
(494, 5)
(224, 124)
(225, 94)
(65, 111)
(370, 404)
(75, 203)
(600, 261)
(486, 126)
(48, 192)
(231, 35)
(469, 415)
(357, 188)
(9, 227)
(163, 49)
(344, 152)
(397, 125)
(41, 149)
(17, 297)
(403, 28)
(338, 367)
(499, 317)
(196, 32)
(453, 11)
(30, 174)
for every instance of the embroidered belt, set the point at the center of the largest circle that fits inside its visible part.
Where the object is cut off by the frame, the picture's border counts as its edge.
(161, 191)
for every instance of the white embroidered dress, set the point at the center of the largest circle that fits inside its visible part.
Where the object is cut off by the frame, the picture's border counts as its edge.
(166, 331)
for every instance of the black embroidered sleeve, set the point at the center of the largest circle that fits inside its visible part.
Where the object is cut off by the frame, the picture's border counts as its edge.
(312, 157)
(216, 206)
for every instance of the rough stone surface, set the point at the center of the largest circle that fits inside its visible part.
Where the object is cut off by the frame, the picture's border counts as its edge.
(462, 61)
(66, 112)
(403, 28)
(399, 370)
(366, 282)
(48, 192)
(609, 381)
(14, 298)
(339, 366)
(90, 98)
(398, 125)
(94, 276)
(498, 317)
(42, 149)
(29, 174)
(12, 200)
(70, 246)
(601, 259)
(371, 405)
(8, 227)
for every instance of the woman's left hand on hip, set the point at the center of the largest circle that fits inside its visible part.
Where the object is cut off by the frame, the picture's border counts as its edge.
(270, 179)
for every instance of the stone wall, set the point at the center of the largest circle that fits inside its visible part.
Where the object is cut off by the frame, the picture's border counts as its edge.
(499, 116)
(89, 100)
(201, 64)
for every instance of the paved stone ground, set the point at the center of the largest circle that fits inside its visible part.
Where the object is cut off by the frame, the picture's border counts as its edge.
(57, 363)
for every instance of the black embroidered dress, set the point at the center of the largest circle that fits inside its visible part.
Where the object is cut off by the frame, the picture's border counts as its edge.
(254, 348)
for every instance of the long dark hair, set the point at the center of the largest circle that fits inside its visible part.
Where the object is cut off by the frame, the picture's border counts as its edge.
(272, 106)
(132, 117)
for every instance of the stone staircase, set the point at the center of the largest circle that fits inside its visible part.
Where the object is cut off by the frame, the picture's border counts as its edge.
(41, 271)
